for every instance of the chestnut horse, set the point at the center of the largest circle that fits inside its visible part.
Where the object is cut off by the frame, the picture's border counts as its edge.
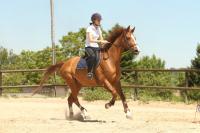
(107, 73)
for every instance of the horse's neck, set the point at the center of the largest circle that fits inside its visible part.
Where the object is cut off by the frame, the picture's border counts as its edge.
(115, 53)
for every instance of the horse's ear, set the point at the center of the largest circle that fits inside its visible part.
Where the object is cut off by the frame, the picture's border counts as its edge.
(133, 29)
(128, 28)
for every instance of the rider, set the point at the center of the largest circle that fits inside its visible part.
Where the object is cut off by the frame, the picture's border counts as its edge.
(93, 40)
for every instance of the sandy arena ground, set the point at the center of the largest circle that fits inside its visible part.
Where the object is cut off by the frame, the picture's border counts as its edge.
(46, 115)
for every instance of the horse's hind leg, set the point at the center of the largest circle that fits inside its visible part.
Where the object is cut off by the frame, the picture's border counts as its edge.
(70, 83)
(76, 101)
(73, 99)
(75, 88)
(70, 102)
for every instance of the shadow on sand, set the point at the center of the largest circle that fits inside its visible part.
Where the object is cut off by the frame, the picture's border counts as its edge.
(78, 117)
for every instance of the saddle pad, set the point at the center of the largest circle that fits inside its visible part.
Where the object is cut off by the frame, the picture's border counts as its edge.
(81, 64)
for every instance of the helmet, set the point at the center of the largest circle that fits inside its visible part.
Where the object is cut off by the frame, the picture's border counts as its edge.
(96, 16)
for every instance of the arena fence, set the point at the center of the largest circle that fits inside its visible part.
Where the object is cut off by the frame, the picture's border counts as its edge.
(135, 86)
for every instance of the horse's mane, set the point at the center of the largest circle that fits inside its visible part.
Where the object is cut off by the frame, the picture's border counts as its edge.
(112, 36)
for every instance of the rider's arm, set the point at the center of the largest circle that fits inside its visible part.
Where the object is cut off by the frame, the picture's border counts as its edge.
(90, 37)
(92, 40)
(100, 37)
(102, 41)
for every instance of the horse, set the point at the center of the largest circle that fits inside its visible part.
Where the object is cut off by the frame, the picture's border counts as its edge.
(107, 73)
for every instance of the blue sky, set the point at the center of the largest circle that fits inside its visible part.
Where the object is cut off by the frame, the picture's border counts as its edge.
(170, 29)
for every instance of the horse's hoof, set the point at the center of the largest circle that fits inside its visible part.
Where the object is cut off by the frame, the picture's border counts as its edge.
(107, 105)
(84, 115)
(69, 116)
(129, 115)
(85, 118)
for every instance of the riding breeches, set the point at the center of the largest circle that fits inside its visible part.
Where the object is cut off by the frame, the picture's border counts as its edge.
(92, 57)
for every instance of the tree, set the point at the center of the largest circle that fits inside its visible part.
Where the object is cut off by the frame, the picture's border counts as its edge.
(7, 58)
(195, 64)
(194, 78)
(147, 78)
(3, 56)
(73, 43)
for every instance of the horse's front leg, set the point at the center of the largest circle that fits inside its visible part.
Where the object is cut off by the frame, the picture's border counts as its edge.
(113, 91)
(123, 98)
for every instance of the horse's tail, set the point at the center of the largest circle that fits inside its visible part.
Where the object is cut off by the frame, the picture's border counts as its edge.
(50, 70)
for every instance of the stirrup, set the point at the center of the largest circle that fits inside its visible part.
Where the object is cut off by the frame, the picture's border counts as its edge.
(90, 75)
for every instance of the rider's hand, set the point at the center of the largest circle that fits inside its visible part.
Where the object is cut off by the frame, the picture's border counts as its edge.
(104, 42)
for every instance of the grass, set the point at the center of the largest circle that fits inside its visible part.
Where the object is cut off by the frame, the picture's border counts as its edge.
(144, 95)
(92, 94)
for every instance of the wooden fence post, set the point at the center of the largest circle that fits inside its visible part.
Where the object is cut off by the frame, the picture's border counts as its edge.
(186, 85)
(1, 77)
(135, 93)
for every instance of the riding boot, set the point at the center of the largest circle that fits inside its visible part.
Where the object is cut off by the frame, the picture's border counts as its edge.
(91, 61)
(90, 64)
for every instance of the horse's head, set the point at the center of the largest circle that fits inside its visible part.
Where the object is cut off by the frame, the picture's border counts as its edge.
(130, 40)
(123, 38)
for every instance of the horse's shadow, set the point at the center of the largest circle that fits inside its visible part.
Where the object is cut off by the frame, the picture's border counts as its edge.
(78, 117)
(80, 120)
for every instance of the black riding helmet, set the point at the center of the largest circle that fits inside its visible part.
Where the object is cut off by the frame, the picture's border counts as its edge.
(96, 16)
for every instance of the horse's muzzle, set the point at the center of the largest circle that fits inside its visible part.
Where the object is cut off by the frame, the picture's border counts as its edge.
(136, 51)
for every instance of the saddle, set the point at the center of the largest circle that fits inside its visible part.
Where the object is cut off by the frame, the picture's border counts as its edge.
(82, 64)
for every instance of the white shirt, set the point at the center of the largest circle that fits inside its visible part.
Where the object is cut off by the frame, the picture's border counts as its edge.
(95, 32)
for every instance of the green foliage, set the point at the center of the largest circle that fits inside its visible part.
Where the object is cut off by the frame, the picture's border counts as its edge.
(3, 56)
(91, 94)
(73, 43)
(7, 58)
(150, 62)
(194, 78)
(154, 95)
(152, 78)
(195, 63)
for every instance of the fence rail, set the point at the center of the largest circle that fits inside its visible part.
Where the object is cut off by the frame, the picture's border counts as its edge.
(162, 70)
(24, 70)
(125, 70)
(135, 87)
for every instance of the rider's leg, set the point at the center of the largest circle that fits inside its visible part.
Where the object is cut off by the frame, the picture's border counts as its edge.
(90, 60)
(97, 54)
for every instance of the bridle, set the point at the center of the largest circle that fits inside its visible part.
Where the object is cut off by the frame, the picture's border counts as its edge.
(126, 42)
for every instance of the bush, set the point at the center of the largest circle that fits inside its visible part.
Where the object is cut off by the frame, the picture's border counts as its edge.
(91, 94)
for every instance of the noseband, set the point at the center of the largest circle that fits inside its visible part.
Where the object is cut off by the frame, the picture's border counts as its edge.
(126, 42)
